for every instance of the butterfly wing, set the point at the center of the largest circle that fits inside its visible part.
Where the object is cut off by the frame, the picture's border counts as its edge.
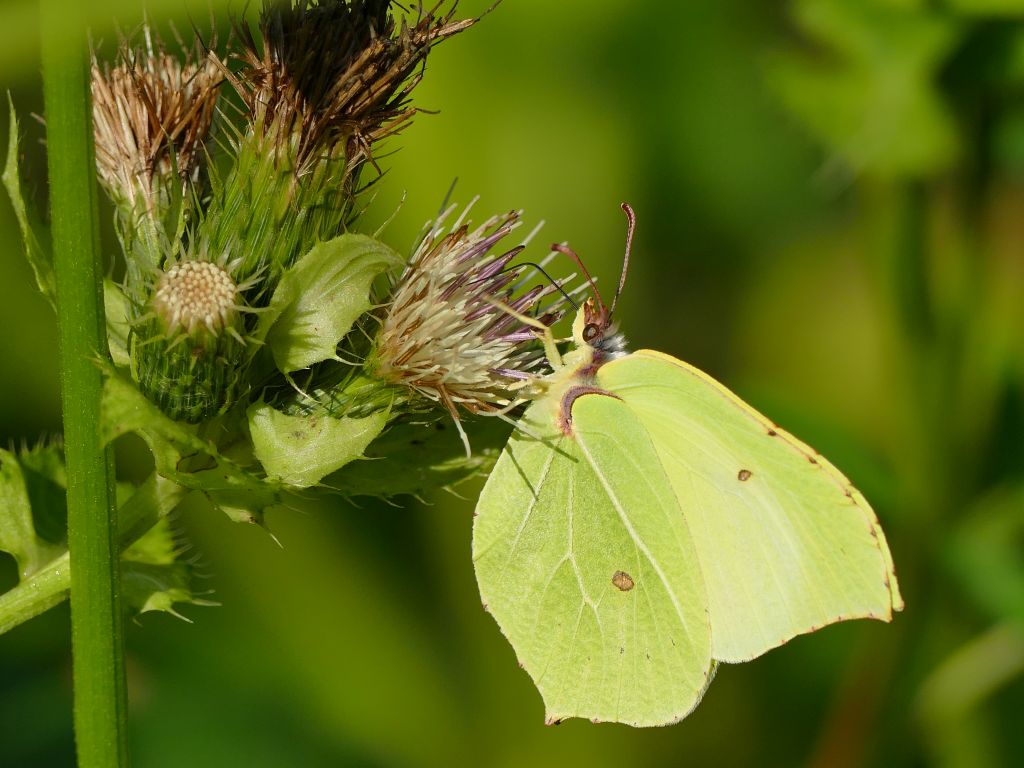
(786, 545)
(583, 557)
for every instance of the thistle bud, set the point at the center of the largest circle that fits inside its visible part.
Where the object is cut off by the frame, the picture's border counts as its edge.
(186, 348)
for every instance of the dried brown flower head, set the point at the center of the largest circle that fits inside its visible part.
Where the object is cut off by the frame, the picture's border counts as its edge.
(151, 114)
(335, 75)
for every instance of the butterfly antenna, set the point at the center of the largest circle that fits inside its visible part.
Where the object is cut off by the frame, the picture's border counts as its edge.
(566, 250)
(448, 197)
(554, 283)
(631, 228)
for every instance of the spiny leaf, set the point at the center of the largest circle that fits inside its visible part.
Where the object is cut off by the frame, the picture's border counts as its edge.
(38, 258)
(46, 482)
(139, 510)
(153, 576)
(302, 450)
(185, 457)
(320, 297)
(412, 458)
(17, 529)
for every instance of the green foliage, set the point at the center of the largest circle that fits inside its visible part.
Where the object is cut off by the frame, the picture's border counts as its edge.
(302, 450)
(33, 529)
(320, 297)
(187, 458)
(38, 256)
(414, 458)
(154, 576)
(870, 94)
(18, 535)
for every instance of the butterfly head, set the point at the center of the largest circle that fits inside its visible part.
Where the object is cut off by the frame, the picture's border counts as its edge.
(594, 326)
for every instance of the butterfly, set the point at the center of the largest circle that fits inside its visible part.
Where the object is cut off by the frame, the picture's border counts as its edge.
(645, 525)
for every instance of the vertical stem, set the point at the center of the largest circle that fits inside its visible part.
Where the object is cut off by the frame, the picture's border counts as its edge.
(96, 631)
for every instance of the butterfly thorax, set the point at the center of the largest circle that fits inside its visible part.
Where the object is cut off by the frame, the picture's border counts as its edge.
(597, 342)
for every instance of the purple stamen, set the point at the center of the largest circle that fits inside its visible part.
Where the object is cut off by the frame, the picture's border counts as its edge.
(510, 373)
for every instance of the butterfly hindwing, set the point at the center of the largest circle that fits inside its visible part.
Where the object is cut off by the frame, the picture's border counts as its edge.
(786, 545)
(583, 557)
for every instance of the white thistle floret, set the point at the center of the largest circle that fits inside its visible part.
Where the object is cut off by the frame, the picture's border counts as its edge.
(194, 295)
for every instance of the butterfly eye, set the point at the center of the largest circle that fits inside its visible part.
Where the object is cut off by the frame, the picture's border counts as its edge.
(590, 332)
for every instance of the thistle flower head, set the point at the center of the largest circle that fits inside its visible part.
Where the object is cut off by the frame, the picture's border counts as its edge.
(334, 75)
(448, 333)
(151, 114)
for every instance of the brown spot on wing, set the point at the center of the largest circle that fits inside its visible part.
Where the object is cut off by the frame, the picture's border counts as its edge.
(744, 475)
(623, 581)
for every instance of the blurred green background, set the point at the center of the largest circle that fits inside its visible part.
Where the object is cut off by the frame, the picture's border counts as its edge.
(831, 221)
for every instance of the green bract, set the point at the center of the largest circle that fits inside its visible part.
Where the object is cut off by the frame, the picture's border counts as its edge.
(302, 450)
(320, 297)
(38, 256)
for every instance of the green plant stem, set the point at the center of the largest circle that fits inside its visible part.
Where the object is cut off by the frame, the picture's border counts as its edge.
(96, 616)
(40, 592)
(49, 585)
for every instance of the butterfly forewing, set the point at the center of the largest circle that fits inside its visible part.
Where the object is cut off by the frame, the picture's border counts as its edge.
(585, 560)
(785, 544)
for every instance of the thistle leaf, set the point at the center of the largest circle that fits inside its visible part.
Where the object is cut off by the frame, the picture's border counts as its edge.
(153, 577)
(185, 457)
(320, 297)
(302, 450)
(156, 580)
(18, 535)
(118, 324)
(38, 257)
(46, 482)
(413, 458)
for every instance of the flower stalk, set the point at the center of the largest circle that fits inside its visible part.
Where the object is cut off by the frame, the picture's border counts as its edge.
(96, 614)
